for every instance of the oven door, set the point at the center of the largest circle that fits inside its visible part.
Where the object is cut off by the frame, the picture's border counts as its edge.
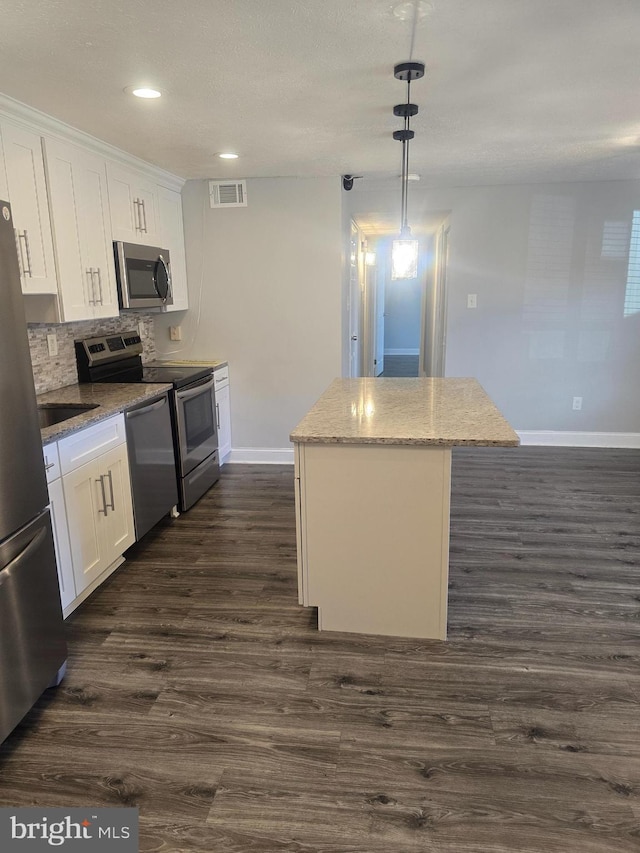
(195, 416)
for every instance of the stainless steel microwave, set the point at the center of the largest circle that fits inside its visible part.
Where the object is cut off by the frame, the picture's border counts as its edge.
(143, 274)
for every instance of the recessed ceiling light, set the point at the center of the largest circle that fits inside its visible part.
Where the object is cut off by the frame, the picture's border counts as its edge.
(228, 155)
(143, 92)
(411, 10)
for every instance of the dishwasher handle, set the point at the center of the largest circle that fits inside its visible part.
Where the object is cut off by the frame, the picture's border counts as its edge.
(144, 410)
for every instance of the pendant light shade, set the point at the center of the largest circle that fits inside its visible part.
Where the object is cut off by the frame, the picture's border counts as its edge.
(404, 259)
(404, 251)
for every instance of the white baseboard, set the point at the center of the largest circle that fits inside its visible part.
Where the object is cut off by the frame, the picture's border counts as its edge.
(262, 455)
(580, 439)
(402, 352)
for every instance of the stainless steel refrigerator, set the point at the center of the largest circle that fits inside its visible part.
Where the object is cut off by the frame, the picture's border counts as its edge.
(33, 650)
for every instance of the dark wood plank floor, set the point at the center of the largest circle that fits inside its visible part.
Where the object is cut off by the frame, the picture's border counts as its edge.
(199, 691)
(400, 365)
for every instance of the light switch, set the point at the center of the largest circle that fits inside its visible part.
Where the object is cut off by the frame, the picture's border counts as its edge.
(472, 300)
(52, 344)
(175, 333)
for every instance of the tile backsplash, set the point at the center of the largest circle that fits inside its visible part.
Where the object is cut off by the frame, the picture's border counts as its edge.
(51, 372)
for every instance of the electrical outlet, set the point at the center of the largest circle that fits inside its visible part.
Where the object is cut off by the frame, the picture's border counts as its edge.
(175, 333)
(472, 300)
(577, 404)
(52, 344)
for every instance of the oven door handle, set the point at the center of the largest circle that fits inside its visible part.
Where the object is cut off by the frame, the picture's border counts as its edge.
(195, 390)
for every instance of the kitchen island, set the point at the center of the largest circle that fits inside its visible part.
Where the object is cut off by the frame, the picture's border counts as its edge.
(373, 482)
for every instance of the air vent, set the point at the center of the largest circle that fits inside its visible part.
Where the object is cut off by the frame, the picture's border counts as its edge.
(228, 193)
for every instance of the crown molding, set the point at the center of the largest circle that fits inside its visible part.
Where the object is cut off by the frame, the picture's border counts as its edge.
(47, 125)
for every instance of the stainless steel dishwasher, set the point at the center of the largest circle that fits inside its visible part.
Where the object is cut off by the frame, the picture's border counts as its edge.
(152, 462)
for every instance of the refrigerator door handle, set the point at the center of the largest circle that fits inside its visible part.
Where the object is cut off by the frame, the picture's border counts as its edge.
(34, 543)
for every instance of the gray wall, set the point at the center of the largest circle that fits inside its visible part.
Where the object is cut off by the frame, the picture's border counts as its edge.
(549, 266)
(265, 291)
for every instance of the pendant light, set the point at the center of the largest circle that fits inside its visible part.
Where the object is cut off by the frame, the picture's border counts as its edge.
(404, 251)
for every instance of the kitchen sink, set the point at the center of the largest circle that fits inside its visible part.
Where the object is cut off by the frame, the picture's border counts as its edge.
(54, 413)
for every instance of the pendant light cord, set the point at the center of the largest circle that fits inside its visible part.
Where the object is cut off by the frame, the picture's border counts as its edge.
(405, 163)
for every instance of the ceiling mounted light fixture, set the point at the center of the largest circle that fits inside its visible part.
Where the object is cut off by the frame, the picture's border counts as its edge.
(143, 92)
(404, 251)
(228, 155)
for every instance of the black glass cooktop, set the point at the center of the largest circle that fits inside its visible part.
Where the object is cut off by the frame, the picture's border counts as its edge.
(156, 371)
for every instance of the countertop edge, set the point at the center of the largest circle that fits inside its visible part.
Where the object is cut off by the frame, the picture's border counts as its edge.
(123, 396)
(406, 442)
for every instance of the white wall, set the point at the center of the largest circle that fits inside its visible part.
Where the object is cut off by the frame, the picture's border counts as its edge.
(549, 323)
(265, 291)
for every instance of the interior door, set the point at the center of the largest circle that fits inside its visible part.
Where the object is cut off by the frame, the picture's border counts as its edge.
(378, 357)
(434, 321)
(355, 304)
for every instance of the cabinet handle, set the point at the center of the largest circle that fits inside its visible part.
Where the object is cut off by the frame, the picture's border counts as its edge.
(112, 503)
(98, 274)
(19, 250)
(49, 466)
(104, 495)
(144, 216)
(218, 415)
(136, 215)
(25, 268)
(28, 247)
(91, 287)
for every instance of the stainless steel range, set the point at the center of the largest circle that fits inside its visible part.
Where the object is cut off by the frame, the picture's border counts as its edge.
(118, 358)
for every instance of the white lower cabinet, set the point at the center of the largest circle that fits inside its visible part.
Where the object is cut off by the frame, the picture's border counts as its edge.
(99, 514)
(58, 511)
(223, 411)
(96, 499)
(61, 543)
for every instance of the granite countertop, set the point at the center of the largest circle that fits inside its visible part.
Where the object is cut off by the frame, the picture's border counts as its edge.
(422, 411)
(204, 362)
(110, 397)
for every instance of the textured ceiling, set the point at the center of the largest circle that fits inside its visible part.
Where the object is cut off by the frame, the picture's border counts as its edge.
(515, 90)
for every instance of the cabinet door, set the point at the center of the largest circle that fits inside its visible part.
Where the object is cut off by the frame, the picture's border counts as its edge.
(82, 232)
(28, 196)
(223, 417)
(117, 529)
(85, 504)
(61, 543)
(95, 234)
(133, 205)
(172, 238)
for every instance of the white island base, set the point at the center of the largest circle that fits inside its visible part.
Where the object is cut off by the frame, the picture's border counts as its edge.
(373, 537)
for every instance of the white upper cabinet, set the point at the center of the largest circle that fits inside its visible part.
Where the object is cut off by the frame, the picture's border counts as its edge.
(4, 189)
(172, 238)
(79, 202)
(133, 201)
(28, 197)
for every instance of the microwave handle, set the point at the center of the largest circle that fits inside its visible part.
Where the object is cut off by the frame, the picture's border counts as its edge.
(188, 393)
(167, 272)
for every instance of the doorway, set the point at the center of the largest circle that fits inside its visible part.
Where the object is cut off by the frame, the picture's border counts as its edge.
(403, 321)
